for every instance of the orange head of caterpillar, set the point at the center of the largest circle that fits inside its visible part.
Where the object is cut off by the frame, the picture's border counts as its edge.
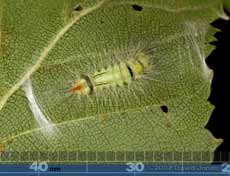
(83, 86)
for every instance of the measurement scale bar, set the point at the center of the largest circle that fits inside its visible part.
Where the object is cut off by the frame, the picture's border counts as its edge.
(128, 169)
(111, 163)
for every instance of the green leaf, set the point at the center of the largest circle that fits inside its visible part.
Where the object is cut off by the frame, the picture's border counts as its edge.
(46, 46)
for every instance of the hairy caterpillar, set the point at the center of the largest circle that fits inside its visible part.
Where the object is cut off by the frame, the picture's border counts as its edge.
(118, 74)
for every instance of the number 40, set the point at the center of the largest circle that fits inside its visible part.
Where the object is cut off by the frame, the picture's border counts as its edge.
(42, 166)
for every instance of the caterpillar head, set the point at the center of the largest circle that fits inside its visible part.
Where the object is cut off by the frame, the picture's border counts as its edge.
(80, 87)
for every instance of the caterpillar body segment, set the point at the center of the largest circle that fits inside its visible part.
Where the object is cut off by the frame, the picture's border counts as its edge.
(116, 75)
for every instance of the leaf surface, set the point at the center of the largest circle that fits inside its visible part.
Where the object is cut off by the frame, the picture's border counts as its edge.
(53, 44)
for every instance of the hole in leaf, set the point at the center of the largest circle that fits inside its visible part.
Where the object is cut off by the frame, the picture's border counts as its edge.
(137, 7)
(78, 8)
(164, 108)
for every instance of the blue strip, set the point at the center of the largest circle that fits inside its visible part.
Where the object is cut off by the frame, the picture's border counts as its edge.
(115, 169)
(109, 173)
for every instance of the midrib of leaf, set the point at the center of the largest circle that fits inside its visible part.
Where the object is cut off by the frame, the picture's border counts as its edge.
(46, 51)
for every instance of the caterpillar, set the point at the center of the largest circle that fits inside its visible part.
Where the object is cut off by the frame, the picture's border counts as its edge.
(118, 74)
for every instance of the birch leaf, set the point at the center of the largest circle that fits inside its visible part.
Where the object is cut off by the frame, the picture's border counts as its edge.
(46, 46)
